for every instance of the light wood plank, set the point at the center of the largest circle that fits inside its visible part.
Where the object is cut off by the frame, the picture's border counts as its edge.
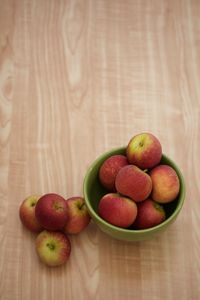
(78, 78)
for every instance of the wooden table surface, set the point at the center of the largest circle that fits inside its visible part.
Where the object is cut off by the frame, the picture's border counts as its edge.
(78, 78)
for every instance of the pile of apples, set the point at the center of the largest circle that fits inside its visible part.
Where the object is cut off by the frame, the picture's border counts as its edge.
(138, 185)
(54, 218)
(138, 188)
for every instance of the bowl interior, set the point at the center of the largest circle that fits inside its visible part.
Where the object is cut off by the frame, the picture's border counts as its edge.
(93, 191)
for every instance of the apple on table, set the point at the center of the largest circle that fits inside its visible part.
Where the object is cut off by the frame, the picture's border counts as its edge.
(52, 211)
(53, 248)
(27, 213)
(78, 216)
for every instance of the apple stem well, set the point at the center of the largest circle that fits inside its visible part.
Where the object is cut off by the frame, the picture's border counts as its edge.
(51, 246)
(80, 205)
(57, 206)
(141, 144)
(159, 207)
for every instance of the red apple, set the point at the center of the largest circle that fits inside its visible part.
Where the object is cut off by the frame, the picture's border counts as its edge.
(134, 183)
(53, 248)
(78, 216)
(144, 150)
(117, 210)
(150, 214)
(109, 170)
(27, 214)
(165, 182)
(51, 211)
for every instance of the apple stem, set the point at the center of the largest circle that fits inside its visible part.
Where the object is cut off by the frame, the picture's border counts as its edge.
(80, 206)
(145, 171)
(51, 246)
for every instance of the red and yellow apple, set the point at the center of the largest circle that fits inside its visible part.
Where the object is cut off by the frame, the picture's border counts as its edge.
(150, 214)
(144, 150)
(165, 182)
(117, 210)
(27, 213)
(52, 211)
(78, 216)
(134, 183)
(109, 170)
(53, 248)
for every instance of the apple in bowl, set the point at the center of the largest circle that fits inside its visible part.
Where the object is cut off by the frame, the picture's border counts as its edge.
(117, 210)
(149, 214)
(133, 182)
(166, 184)
(144, 150)
(110, 169)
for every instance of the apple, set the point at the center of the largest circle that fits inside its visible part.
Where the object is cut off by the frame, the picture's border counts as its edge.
(166, 184)
(78, 216)
(109, 169)
(117, 210)
(134, 183)
(53, 248)
(27, 213)
(51, 211)
(150, 214)
(144, 150)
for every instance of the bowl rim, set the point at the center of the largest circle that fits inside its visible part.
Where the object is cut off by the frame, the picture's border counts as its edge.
(126, 230)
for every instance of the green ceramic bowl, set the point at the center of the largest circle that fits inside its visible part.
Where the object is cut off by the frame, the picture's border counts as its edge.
(93, 191)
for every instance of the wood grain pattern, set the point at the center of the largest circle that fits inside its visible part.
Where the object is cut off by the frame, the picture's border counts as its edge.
(78, 78)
